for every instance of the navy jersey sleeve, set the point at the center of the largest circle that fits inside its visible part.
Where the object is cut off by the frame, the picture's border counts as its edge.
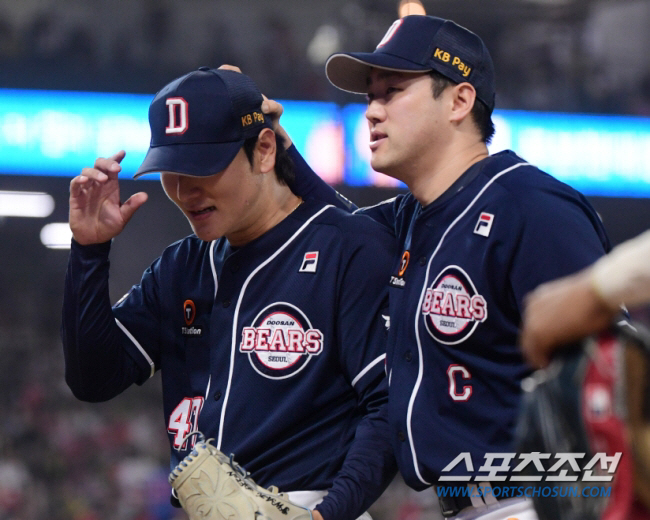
(98, 363)
(559, 234)
(139, 316)
(308, 185)
(387, 213)
(369, 466)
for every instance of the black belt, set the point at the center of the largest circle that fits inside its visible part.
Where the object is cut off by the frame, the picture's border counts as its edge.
(452, 505)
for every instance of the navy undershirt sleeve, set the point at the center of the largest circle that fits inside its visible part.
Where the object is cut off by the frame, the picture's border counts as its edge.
(309, 185)
(97, 365)
(369, 464)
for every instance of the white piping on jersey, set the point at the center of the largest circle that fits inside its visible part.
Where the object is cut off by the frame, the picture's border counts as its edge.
(216, 286)
(368, 367)
(387, 201)
(236, 316)
(418, 381)
(214, 269)
(135, 342)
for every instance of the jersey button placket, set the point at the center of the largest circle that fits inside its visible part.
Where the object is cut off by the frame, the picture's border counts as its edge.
(226, 303)
(217, 395)
(408, 356)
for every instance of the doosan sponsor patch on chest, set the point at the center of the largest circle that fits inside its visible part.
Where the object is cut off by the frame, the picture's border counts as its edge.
(280, 341)
(452, 307)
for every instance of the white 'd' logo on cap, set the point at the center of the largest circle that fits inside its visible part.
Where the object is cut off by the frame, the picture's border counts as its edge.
(177, 126)
(389, 34)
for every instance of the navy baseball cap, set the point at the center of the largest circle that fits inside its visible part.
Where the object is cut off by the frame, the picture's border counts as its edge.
(420, 43)
(200, 121)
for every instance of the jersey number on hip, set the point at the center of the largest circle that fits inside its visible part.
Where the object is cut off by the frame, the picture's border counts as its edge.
(184, 419)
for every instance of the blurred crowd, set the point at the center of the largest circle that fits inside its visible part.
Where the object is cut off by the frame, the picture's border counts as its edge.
(65, 460)
(571, 55)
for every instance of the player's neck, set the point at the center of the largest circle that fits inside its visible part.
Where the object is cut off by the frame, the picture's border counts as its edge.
(276, 205)
(434, 178)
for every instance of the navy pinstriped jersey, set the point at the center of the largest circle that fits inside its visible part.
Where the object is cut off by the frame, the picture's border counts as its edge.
(463, 266)
(275, 349)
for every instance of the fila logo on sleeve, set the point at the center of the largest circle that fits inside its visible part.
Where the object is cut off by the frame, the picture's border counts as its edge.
(484, 224)
(309, 262)
(178, 115)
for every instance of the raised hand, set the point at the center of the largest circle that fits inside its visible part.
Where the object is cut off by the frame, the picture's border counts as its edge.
(96, 213)
(271, 108)
(560, 312)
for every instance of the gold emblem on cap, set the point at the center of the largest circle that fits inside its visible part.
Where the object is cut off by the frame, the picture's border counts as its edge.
(253, 117)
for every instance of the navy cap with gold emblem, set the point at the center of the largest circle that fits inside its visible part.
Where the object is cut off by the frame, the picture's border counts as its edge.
(200, 121)
(420, 43)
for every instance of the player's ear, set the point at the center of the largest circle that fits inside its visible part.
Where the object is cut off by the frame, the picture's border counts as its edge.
(265, 150)
(464, 97)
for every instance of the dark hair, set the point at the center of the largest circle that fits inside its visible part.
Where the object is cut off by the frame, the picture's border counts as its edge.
(480, 113)
(283, 163)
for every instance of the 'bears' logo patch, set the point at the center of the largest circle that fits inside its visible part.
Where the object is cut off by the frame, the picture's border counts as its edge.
(280, 341)
(452, 307)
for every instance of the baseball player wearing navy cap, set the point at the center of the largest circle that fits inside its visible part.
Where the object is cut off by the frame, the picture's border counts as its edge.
(475, 234)
(266, 323)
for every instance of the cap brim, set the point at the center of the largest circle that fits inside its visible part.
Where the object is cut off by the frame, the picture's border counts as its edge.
(350, 71)
(196, 159)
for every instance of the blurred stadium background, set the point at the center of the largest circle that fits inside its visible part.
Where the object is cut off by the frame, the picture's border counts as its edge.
(573, 95)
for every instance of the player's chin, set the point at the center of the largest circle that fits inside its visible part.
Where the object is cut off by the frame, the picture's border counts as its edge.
(207, 236)
(377, 162)
(382, 164)
(205, 232)
(382, 156)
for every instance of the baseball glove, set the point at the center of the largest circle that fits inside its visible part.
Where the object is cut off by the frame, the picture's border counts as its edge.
(212, 486)
(595, 398)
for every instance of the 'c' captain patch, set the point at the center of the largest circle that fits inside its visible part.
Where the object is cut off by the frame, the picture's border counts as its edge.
(280, 341)
(452, 308)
